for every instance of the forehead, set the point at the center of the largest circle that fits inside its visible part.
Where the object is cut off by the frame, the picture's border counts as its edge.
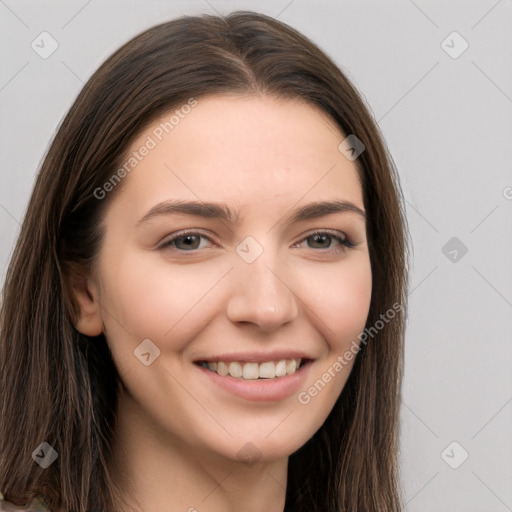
(242, 150)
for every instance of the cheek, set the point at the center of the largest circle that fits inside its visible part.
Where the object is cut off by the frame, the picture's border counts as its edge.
(156, 299)
(340, 300)
(341, 310)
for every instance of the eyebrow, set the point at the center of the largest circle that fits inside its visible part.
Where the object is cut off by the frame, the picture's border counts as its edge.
(221, 211)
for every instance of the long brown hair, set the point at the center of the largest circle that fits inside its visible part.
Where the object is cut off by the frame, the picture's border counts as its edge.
(60, 387)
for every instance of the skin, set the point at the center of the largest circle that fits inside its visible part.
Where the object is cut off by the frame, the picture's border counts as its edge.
(178, 436)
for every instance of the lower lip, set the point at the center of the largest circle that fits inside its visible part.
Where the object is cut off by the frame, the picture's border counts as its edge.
(260, 390)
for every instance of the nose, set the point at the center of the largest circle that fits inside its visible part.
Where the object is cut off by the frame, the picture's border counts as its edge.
(262, 295)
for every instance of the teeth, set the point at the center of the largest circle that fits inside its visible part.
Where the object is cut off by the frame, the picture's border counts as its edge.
(253, 371)
(250, 371)
(222, 368)
(281, 369)
(235, 370)
(291, 366)
(267, 370)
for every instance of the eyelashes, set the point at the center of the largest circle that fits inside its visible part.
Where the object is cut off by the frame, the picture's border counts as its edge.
(341, 242)
(190, 235)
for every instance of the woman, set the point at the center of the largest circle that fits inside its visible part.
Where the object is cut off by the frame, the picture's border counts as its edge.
(258, 369)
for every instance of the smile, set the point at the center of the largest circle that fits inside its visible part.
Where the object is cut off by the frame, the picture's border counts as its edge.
(252, 370)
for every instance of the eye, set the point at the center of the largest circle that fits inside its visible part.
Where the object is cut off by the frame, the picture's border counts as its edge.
(185, 241)
(324, 239)
(191, 241)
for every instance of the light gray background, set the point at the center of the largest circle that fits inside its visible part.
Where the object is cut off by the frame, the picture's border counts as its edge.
(447, 122)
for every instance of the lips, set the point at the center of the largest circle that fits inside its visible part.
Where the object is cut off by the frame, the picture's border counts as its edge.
(245, 384)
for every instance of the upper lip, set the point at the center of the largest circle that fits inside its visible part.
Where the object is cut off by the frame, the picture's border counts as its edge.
(255, 357)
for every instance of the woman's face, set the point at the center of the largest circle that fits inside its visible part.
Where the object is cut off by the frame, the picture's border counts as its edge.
(180, 282)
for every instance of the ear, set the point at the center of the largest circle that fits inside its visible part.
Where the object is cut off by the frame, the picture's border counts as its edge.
(86, 295)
